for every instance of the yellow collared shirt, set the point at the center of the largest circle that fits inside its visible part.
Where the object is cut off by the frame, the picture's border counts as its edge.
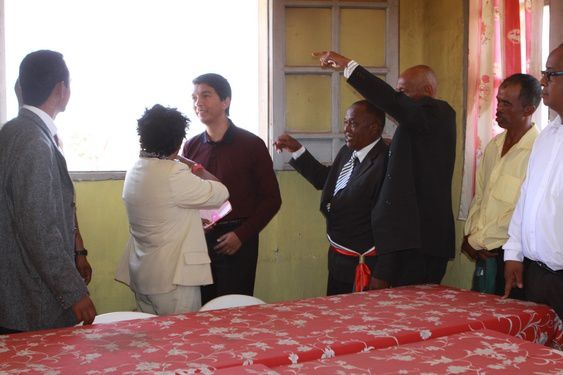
(497, 190)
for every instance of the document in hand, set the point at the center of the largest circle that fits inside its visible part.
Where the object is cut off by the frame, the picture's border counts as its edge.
(214, 215)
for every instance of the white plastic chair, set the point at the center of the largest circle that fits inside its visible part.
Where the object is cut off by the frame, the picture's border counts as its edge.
(119, 316)
(231, 300)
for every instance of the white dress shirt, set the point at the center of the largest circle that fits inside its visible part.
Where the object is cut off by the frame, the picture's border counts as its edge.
(46, 119)
(536, 228)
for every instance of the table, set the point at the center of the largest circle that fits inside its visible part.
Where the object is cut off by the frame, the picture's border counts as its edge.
(483, 351)
(276, 334)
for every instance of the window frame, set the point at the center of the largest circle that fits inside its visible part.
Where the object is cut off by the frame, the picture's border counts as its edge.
(279, 70)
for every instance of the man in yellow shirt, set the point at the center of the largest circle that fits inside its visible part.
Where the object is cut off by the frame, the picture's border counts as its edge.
(500, 175)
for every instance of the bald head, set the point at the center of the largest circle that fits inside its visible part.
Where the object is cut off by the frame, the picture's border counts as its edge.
(418, 81)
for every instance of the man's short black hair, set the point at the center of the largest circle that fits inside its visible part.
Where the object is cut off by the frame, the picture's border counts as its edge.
(40, 72)
(161, 130)
(219, 84)
(530, 88)
(370, 108)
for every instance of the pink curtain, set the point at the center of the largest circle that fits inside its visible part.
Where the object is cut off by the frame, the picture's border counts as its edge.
(496, 28)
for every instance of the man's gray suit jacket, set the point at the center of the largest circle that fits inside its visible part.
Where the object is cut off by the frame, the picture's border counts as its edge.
(38, 276)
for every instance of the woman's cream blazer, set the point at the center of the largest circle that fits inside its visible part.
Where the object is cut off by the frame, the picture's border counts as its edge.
(167, 244)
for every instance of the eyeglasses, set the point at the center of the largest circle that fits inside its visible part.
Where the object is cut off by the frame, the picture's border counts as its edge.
(548, 74)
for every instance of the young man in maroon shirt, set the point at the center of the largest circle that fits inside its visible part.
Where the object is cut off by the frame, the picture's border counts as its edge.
(241, 161)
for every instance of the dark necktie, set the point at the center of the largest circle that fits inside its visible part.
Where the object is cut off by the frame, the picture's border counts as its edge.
(345, 173)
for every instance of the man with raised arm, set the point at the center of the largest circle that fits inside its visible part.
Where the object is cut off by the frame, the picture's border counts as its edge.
(413, 227)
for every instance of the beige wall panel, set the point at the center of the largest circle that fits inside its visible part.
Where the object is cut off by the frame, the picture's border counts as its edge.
(307, 30)
(362, 35)
(432, 33)
(308, 103)
(411, 27)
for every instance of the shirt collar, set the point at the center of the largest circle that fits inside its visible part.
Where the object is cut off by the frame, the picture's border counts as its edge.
(227, 138)
(556, 122)
(554, 127)
(45, 118)
(526, 142)
(361, 154)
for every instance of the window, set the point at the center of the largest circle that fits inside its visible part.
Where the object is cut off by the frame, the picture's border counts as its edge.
(309, 102)
(127, 55)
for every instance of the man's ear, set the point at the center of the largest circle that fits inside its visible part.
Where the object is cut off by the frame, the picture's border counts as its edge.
(428, 90)
(226, 103)
(529, 110)
(59, 90)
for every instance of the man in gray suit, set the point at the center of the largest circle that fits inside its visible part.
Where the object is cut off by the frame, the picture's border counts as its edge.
(41, 287)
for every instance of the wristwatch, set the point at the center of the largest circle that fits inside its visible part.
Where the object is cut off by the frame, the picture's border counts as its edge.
(81, 252)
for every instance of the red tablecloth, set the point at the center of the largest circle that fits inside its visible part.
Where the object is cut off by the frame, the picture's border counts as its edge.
(276, 334)
(476, 352)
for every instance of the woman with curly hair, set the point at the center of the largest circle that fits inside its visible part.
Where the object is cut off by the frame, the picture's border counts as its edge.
(166, 257)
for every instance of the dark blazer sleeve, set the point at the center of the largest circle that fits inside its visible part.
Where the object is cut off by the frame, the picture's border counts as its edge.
(310, 168)
(414, 209)
(408, 112)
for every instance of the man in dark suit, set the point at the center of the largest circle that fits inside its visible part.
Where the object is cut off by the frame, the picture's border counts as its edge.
(41, 286)
(413, 220)
(350, 188)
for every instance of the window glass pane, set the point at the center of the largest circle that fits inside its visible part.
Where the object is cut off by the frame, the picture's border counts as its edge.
(347, 96)
(306, 30)
(362, 35)
(122, 61)
(308, 103)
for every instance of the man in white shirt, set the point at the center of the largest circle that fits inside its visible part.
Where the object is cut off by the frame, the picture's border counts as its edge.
(533, 253)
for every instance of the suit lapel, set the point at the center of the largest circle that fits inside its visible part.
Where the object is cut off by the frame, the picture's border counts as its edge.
(41, 125)
(366, 164)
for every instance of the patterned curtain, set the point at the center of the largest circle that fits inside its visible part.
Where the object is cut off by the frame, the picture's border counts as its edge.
(496, 29)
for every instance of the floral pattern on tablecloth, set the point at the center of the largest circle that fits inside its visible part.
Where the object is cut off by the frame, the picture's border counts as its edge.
(274, 334)
(474, 352)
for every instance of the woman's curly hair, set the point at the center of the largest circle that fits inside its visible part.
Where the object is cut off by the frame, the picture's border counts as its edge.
(161, 130)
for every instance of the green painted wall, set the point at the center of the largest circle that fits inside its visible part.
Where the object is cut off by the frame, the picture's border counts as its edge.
(292, 261)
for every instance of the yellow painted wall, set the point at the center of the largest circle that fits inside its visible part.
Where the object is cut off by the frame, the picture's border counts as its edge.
(104, 228)
(292, 261)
